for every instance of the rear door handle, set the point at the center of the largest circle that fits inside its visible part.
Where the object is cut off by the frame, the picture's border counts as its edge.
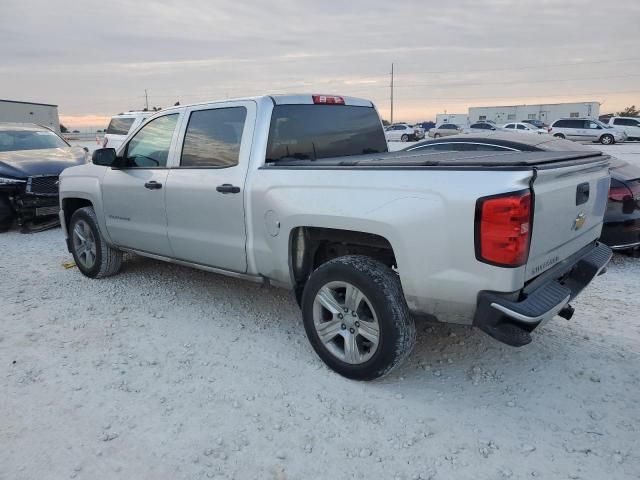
(227, 188)
(153, 185)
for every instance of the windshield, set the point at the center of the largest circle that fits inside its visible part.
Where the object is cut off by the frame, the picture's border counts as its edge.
(11, 141)
(120, 125)
(323, 131)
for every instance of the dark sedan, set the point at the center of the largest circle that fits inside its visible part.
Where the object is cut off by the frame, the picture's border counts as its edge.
(621, 229)
(31, 158)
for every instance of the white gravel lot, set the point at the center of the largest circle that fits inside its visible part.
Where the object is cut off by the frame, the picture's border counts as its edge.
(164, 372)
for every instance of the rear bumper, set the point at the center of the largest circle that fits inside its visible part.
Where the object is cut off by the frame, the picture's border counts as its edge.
(511, 317)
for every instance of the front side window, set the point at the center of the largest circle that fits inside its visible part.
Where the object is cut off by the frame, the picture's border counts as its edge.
(149, 147)
(522, 127)
(593, 126)
(510, 125)
(213, 137)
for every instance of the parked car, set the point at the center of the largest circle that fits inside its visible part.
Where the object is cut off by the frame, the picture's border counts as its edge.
(536, 123)
(522, 127)
(629, 125)
(402, 132)
(297, 191)
(120, 126)
(586, 129)
(621, 229)
(483, 126)
(445, 130)
(31, 158)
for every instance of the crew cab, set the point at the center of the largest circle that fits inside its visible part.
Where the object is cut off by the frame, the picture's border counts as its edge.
(299, 191)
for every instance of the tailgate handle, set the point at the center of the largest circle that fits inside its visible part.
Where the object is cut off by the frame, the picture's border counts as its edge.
(582, 193)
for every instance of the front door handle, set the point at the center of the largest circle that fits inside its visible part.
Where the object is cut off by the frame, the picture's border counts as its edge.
(227, 188)
(153, 185)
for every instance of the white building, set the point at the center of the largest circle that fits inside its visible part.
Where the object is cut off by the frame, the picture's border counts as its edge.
(28, 112)
(460, 119)
(548, 113)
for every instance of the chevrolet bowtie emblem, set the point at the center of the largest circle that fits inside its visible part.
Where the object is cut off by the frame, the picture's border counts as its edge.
(578, 223)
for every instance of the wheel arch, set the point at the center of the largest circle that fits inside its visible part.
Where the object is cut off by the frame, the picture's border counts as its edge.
(310, 247)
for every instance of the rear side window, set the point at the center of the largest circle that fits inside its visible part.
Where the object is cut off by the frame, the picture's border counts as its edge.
(627, 122)
(119, 126)
(213, 137)
(323, 131)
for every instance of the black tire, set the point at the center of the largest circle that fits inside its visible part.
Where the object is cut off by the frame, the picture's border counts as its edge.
(108, 260)
(607, 139)
(7, 215)
(436, 135)
(381, 286)
(404, 138)
(559, 135)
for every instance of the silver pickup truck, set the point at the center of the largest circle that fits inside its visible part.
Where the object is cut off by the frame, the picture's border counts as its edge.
(299, 191)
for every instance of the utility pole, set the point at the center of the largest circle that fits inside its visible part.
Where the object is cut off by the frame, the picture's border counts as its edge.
(392, 93)
(146, 99)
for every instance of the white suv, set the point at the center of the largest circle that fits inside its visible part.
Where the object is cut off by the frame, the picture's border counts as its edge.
(120, 126)
(586, 129)
(629, 125)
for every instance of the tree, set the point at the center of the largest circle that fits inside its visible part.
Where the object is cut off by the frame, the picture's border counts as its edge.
(631, 111)
(385, 122)
(63, 129)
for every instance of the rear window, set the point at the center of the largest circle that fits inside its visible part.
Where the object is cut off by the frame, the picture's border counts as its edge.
(323, 131)
(119, 126)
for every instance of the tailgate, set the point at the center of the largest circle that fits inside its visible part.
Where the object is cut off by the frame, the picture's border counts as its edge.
(569, 205)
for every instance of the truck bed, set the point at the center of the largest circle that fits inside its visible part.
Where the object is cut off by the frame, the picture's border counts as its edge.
(493, 160)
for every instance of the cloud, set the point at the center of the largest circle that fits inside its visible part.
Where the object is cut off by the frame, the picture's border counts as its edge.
(93, 58)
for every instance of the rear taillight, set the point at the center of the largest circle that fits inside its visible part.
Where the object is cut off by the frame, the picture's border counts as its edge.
(503, 229)
(328, 99)
(620, 194)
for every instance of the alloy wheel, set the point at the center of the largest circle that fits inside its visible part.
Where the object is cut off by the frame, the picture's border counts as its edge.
(346, 322)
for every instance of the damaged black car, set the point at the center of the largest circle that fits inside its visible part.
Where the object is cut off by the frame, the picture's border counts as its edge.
(31, 159)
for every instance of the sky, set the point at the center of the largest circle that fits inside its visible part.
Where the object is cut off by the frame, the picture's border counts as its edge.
(95, 59)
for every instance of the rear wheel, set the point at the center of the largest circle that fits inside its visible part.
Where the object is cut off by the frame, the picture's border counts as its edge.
(559, 135)
(92, 255)
(607, 139)
(356, 317)
(7, 215)
(436, 135)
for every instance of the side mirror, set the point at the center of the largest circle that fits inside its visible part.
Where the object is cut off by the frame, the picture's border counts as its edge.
(104, 156)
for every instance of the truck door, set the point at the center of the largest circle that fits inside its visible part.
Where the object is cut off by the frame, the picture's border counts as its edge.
(205, 190)
(134, 195)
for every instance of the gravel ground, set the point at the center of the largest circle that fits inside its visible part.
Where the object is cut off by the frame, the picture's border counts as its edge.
(164, 372)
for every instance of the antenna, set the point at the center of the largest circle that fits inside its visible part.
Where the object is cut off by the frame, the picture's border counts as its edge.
(391, 93)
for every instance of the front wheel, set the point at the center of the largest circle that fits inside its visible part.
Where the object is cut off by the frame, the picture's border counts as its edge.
(607, 139)
(559, 135)
(93, 256)
(437, 135)
(356, 318)
(404, 138)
